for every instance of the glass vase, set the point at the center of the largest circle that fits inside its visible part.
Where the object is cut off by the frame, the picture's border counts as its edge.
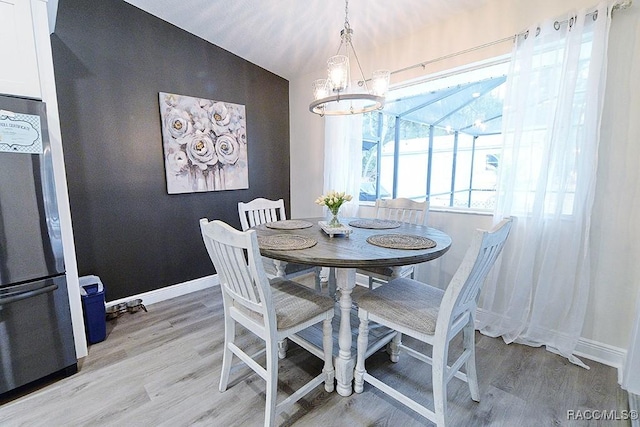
(334, 222)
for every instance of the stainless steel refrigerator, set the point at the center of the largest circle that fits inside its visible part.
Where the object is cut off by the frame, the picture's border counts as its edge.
(36, 335)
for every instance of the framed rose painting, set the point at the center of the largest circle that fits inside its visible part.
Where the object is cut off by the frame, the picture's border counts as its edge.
(205, 144)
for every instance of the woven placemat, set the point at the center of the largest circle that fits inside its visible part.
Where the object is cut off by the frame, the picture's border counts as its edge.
(286, 242)
(401, 241)
(288, 224)
(378, 224)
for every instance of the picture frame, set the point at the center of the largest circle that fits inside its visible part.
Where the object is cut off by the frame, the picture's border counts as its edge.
(204, 143)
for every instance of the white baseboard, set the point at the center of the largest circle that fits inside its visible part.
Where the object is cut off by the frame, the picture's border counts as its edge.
(585, 348)
(602, 353)
(180, 289)
(184, 288)
(173, 291)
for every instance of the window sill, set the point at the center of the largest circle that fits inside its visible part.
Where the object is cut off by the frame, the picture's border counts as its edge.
(445, 209)
(467, 211)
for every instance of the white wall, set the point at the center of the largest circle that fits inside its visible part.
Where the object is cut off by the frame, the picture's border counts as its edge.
(616, 244)
(47, 83)
(615, 236)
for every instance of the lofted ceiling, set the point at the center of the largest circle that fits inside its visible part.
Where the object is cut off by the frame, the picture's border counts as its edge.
(292, 38)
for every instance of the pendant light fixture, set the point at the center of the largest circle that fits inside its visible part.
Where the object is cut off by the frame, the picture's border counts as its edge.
(335, 94)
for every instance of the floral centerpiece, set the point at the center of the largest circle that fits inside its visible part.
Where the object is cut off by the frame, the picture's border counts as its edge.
(333, 200)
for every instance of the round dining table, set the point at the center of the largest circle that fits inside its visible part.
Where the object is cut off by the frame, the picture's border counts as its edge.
(359, 244)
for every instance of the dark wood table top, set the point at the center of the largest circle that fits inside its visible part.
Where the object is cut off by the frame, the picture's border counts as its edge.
(354, 251)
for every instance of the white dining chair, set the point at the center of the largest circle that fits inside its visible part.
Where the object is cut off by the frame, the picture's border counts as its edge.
(433, 316)
(272, 311)
(399, 209)
(260, 211)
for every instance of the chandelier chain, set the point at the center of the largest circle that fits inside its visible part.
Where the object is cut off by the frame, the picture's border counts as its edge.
(346, 15)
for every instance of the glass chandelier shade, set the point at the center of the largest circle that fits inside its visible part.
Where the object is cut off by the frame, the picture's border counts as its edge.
(338, 72)
(336, 95)
(320, 89)
(380, 82)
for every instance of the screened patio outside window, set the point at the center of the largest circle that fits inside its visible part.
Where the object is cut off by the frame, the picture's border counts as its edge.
(438, 140)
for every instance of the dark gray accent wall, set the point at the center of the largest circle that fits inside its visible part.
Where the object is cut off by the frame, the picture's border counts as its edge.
(111, 59)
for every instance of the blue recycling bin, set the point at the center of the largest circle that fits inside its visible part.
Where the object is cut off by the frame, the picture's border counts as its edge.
(93, 308)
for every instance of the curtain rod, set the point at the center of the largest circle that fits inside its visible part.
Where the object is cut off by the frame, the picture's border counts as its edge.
(424, 64)
(451, 55)
(624, 4)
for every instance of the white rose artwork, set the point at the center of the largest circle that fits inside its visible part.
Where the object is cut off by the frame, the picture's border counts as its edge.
(205, 144)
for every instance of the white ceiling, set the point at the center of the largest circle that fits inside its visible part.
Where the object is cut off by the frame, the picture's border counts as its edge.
(295, 37)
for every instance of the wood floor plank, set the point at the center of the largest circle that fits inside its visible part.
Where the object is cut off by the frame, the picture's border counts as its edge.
(162, 368)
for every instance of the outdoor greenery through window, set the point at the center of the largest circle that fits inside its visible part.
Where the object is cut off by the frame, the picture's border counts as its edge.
(438, 140)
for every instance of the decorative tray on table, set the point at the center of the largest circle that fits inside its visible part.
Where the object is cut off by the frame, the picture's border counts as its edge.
(341, 230)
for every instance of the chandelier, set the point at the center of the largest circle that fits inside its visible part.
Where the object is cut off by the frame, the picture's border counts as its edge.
(335, 94)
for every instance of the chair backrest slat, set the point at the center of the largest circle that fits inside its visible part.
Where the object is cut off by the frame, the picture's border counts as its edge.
(237, 273)
(402, 209)
(236, 258)
(260, 210)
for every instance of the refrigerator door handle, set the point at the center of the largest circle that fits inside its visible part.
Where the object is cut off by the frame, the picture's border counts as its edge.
(19, 296)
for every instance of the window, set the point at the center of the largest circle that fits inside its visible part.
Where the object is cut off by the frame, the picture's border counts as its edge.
(438, 139)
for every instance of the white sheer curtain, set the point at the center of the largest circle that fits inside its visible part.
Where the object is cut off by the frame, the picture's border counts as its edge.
(343, 158)
(552, 113)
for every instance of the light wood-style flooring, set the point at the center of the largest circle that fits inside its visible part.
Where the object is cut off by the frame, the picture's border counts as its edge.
(161, 368)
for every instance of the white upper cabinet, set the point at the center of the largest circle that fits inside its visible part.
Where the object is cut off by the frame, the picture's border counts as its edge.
(18, 58)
